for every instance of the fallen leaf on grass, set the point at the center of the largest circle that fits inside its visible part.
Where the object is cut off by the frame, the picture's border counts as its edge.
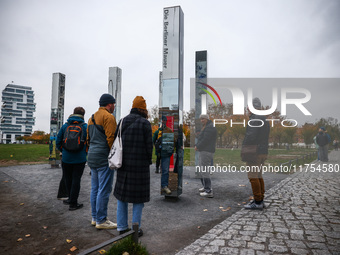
(73, 248)
(19, 240)
(102, 251)
(28, 235)
(68, 241)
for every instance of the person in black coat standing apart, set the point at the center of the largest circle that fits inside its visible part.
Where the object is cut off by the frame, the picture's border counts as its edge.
(133, 178)
(257, 134)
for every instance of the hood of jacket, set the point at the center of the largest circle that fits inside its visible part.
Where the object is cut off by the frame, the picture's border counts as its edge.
(75, 118)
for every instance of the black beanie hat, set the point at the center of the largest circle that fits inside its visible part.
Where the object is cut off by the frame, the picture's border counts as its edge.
(106, 99)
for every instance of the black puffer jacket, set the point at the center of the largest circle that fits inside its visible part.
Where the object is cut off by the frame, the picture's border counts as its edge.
(206, 140)
(256, 135)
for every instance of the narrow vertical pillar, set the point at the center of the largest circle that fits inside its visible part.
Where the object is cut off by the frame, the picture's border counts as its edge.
(115, 88)
(172, 95)
(201, 102)
(201, 74)
(57, 115)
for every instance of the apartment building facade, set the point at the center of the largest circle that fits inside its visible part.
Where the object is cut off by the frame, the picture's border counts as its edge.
(17, 112)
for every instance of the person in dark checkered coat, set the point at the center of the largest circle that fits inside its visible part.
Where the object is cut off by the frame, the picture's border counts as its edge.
(133, 178)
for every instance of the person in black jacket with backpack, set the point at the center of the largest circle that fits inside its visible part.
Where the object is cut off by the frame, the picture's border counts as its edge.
(73, 154)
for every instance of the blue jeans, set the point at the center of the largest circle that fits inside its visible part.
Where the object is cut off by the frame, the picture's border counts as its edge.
(165, 164)
(101, 187)
(122, 214)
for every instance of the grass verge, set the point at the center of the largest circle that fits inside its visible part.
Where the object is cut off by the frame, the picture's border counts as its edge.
(127, 246)
(14, 154)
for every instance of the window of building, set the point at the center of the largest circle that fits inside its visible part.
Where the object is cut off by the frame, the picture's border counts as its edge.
(20, 91)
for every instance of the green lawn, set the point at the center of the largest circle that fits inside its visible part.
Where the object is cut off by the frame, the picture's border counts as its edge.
(21, 153)
(39, 153)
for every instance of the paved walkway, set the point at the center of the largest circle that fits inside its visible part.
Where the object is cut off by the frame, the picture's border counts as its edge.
(302, 216)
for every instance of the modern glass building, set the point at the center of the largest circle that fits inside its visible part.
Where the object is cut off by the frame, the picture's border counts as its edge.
(16, 112)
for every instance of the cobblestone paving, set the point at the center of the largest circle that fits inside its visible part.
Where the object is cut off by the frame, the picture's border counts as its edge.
(302, 216)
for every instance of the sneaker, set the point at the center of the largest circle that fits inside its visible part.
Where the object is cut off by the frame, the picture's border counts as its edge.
(252, 201)
(253, 206)
(201, 190)
(93, 222)
(75, 207)
(166, 190)
(106, 225)
(207, 194)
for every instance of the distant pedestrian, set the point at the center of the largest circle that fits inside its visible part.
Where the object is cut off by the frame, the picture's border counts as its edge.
(206, 145)
(336, 145)
(157, 141)
(167, 150)
(257, 134)
(73, 161)
(133, 178)
(322, 139)
(100, 135)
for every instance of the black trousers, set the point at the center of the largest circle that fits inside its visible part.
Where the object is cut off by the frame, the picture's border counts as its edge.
(158, 162)
(73, 174)
(62, 191)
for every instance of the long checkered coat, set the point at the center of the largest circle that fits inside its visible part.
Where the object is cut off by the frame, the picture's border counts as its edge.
(133, 178)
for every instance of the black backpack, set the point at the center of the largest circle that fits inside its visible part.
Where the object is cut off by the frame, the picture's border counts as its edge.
(73, 139)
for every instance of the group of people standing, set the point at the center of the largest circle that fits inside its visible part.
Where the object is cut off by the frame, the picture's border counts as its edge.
(133, 178)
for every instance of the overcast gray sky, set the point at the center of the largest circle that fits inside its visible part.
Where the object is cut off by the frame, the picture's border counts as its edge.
(83, 38)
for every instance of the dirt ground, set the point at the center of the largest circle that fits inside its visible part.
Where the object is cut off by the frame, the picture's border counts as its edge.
(33, 221)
